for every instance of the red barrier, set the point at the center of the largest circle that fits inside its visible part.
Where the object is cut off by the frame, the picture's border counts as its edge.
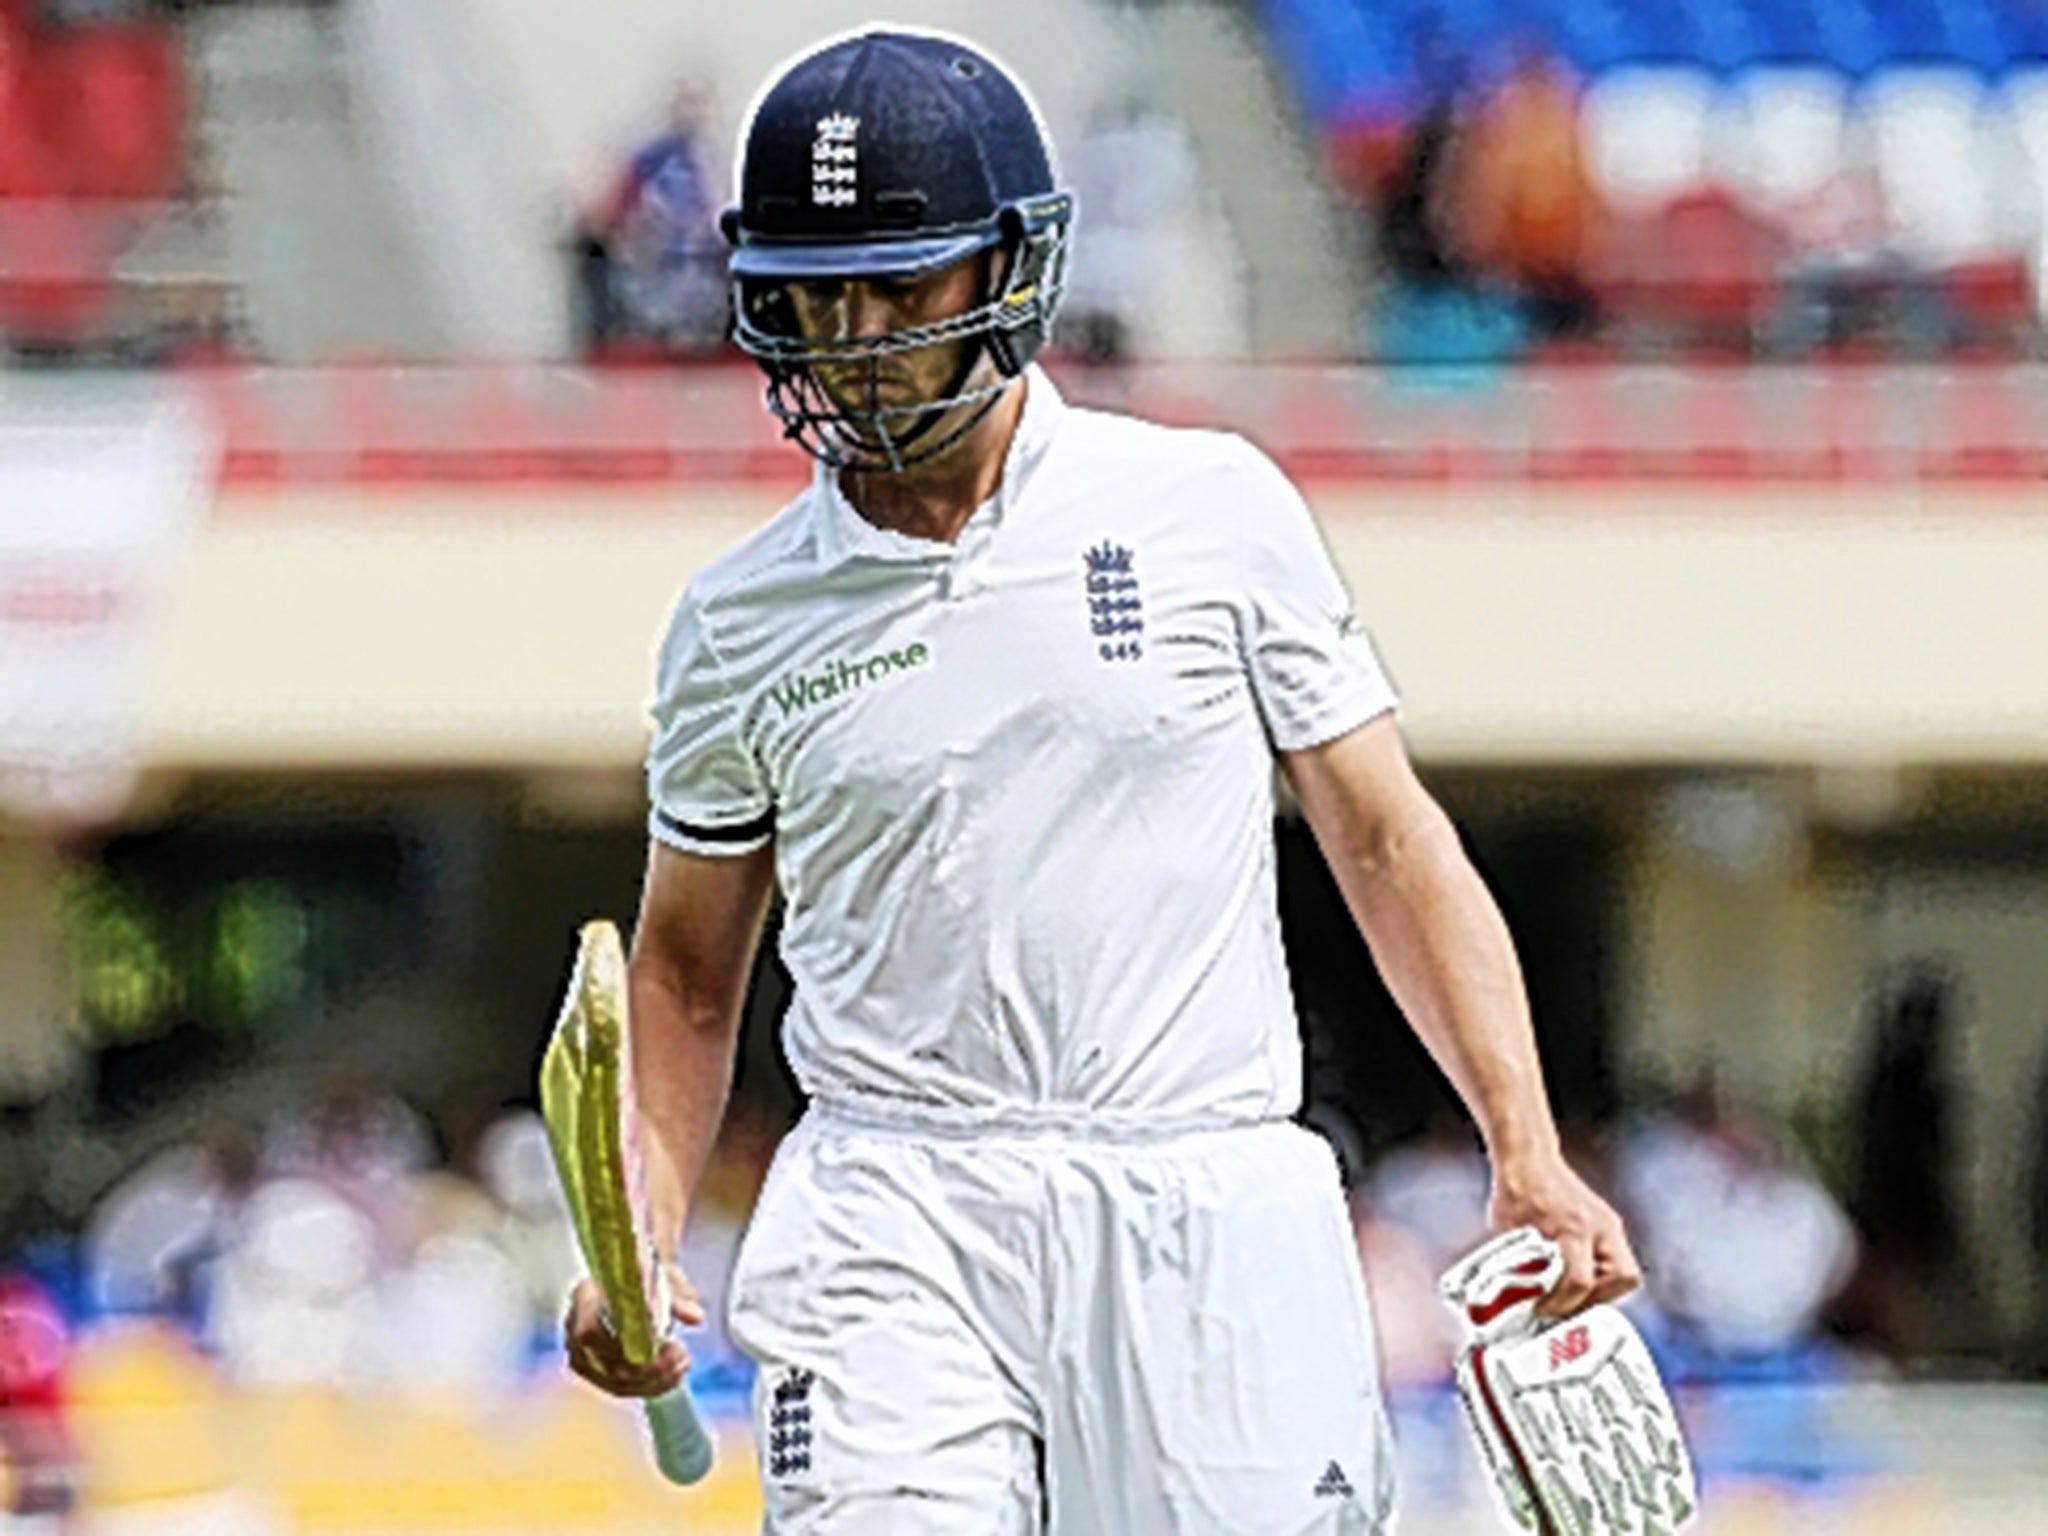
(1615, 422)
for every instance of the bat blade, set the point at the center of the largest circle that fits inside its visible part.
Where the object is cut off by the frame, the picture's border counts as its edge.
(587, 1100)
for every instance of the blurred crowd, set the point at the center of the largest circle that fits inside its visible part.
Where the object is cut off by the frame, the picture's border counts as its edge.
(1765, 1277)
(1762, 178)
(1780, 178)
(649, 259)
(351, 1245)
(1744, 1247)
(1756, 1262)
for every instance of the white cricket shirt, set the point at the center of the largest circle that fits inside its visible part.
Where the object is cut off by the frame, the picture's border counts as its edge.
(1020, 787)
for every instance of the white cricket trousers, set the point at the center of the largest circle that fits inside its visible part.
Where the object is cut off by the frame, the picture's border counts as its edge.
(1038, 1335)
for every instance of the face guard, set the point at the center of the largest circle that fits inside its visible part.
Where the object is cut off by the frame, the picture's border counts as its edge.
(893, 154)
(1030, 245)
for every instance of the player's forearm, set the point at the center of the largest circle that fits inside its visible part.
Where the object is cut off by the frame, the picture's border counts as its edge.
(1445, 951)
(684, 1044)
(693, 950)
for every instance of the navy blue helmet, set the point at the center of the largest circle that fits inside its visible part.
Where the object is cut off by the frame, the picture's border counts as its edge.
(893, 155)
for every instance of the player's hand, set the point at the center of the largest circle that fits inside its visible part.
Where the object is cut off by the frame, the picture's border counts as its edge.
(1546, 1194)
(594, 1352)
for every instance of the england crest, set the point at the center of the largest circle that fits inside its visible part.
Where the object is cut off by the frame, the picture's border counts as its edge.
(835, 161)
(790, 1433)
(1116, 611)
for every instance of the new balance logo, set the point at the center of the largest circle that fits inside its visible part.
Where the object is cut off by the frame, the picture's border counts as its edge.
(1569, 1345)
(1333, 1484)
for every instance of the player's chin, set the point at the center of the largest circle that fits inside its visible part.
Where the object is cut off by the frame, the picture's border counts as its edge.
(852, 392)
(876, 430)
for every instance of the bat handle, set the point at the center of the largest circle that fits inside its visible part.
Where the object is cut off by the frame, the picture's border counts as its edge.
(681, 1447)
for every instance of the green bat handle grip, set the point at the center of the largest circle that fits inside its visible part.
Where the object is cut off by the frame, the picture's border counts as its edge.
(681, 1448)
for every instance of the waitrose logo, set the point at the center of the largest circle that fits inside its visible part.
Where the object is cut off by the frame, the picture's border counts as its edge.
(800, 690)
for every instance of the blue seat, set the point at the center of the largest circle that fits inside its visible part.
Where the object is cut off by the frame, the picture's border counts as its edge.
(1850, 36)
(1907, 29)
(1328, 52)
(1967, 32)
(1381, 78)
(1481, 36)
(1726, 35)
(1657, 34)
(2026, 34)
(1976, 32)
(1789, 32)
(1591, 35)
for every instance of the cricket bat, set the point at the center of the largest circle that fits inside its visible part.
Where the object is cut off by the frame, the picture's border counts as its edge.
(586, 1097)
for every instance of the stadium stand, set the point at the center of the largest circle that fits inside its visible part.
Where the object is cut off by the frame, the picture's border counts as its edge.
(98, 192)
(1540, 423)
(496, 126)
(1862, 171)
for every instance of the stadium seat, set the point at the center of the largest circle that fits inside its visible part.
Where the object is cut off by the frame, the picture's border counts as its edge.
(1349, 70)
(2026, 35)
(24, 164)
(1968, 32)
(1909, 32)
(2025, 93)
(91, 118)
(1789, 33)
(1783, 128)
(1336, 54)
(2025, 96)
(1483, 36)
(1952, 164)
(1993, 300)
(1373, 101)
(113, 96)
(1702, 267)
(54, 273)
(1593, 34)
(1644, 130)
(1849, 35)
(48, 290)
(1655, 35)
(1726, 36)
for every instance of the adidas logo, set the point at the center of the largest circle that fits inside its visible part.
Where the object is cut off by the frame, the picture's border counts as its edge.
(1333, 1484)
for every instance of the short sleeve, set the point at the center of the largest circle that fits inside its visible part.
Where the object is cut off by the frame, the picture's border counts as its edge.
(705, 789)
(1313, 668)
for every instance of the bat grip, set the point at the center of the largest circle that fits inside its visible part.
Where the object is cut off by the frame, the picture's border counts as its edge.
(681, 1448)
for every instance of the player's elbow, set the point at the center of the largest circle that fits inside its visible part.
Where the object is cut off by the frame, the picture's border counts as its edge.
(670, 994)
(1412, 840)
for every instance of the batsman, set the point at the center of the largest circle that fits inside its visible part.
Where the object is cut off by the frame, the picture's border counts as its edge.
(995, 705)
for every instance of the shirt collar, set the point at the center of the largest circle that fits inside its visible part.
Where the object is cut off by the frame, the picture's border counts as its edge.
(843, 534)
